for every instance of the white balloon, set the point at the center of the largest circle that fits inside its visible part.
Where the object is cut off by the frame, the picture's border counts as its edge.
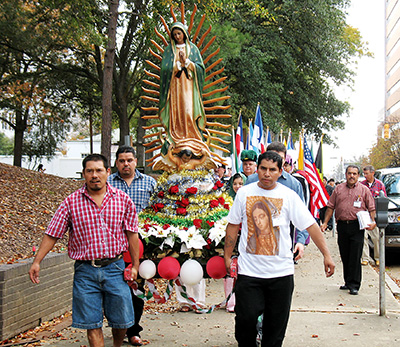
(191, 272)
(147, 269)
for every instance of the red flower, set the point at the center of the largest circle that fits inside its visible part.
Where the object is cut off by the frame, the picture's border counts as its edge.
(160, 194)
(166, 226)
(219, 184)
(157, 207)
(173, 189)
(221, 200)
(191, 190)
(183, 203)
(197, 223)
(214, 203)
(181, 210)
(226, 206)
(208, 246)
(146, 227)
(215, 187)
(211, 224)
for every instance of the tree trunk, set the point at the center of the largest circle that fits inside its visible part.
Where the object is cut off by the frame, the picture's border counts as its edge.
(20, 127)
(18, 141)
(106, 128)
(140, 154)
(122, 111)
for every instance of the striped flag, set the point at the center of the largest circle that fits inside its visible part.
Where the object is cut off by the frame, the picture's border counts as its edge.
(268, 138)
(249, 136)
(290, 145)
(239, 140)
(290, 151)
(319, 195)
(318, 158)
(234, 156)
(257, 139)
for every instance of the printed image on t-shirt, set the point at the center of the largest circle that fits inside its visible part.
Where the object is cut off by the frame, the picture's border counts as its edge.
(262, 237)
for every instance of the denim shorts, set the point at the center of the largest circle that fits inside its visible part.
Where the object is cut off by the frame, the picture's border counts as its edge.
(101, 289)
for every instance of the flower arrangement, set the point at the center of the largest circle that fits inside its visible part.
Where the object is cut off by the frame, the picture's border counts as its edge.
(186, 216)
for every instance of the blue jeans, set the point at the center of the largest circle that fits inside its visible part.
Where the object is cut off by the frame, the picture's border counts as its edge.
(254, 296)
(98, 289)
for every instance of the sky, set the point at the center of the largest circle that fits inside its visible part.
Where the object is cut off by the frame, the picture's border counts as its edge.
(367, 99)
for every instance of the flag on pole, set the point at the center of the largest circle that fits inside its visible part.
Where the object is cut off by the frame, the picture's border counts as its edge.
(268, 138)
(290, 151)
(234, 157)
(319, 195)
(312, 148)
(257, 139)
(300, 160)
(318, 158)
(290, 145)
(249, 136)
(239, 140)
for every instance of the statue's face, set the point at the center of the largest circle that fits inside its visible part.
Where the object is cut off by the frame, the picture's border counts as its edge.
(186, 158)
(178, 36)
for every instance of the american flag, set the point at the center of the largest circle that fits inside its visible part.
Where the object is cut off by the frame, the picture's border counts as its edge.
(319, 195)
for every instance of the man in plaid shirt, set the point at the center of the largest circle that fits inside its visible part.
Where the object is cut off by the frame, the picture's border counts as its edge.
(375, 186)
(139, 187)
(102, 223)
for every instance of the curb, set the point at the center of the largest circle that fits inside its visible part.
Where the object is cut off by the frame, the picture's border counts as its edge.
(393, 287)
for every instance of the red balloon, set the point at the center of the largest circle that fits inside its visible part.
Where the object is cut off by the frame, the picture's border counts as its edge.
(169, 268)
(216, 267)
(127, 255)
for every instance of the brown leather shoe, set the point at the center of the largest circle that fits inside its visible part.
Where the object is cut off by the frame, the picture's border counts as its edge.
(135, 341)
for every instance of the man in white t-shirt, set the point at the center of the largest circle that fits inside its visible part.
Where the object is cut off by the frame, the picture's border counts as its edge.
(264, 210)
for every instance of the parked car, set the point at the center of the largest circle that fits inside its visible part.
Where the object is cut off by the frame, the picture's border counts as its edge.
(391, 179)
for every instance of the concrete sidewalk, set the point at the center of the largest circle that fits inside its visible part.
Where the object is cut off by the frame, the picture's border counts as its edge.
(322, 315)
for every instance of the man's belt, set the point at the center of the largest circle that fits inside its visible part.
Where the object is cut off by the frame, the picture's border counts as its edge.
(102, 262)
(348, 221)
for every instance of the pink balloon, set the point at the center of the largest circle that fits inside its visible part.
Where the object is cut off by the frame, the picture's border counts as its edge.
(216, 267)
(169, 268)
(127, 256)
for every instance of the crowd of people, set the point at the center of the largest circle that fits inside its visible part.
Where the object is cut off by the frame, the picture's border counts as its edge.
(269, 224)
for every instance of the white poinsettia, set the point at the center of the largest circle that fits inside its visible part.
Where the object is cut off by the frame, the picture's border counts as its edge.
(169, 241)
(196, 241)
(158, 231)
(191, 238)
(217, 232)
(183, 234)
(184, 249)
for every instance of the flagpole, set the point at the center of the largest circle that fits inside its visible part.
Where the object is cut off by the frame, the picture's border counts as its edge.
(322, 158)
(300, 160)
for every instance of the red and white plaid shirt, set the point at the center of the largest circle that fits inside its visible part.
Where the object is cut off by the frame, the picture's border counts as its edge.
(95, 233)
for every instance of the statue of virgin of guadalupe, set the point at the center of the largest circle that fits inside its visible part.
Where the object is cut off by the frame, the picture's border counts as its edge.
(181, 108)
